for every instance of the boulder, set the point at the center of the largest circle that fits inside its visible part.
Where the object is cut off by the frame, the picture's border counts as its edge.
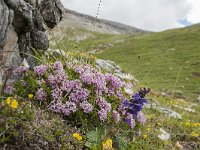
(23, 26)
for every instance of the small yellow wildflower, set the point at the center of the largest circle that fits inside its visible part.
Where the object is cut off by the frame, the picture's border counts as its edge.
(148, 129)
(187, 124)
(23, 103)
(148, 117)
(144, 136)
(195, 124)
(107, 145)
(77, 136)
(172, 102)
(30, 96)
(14, 104)
(8, 100)
(158, 123)
(194, 134)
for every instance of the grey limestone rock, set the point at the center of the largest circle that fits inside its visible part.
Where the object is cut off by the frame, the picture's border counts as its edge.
(23, 25)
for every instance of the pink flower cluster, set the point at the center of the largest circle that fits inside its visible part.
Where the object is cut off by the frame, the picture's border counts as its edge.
(72, 86)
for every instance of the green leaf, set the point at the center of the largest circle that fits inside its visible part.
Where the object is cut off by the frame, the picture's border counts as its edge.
(92, 136)
(123, 144)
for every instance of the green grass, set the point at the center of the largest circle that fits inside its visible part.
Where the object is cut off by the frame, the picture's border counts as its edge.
(168, 61)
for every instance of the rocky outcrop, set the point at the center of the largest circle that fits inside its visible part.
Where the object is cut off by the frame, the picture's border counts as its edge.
(23, 26)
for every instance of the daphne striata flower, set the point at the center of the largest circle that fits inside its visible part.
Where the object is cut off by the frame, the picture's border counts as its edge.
(104, 104)
(116, 116)
(68, 108)
(9, 89)
(141, 117)
(41, 95)
(56, 80)
(20, 69)
(130, 120)
(40, 70)
(79, 95)
(56, 107)
(68, 86)
(87, 107)
(102, 114)
(57, 94)
(58, 66)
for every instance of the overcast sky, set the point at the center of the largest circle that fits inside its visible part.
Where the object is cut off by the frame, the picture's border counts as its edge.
(153, 15)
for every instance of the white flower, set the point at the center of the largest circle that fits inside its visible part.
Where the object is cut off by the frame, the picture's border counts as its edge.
(126, 76)
(164, 135)
(128, 91)
(25, 63)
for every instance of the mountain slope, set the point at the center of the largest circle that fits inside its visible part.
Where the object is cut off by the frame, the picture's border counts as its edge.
(77, 26)
(168, 61)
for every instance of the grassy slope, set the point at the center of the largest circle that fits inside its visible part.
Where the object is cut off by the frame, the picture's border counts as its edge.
(155, 59)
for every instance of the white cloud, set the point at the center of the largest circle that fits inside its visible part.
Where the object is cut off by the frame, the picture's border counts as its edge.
(194, 14)
(154, 15)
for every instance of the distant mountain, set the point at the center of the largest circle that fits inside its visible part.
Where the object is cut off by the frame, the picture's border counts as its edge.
(73, 19)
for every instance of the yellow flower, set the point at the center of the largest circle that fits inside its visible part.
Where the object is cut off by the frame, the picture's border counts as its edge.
(148, 129)
(107, 145)
(194, 134)
(30, 96)
(158, 123)
(144, 136)
(77, 136)
(148, 117)
(195, 124)
(172, 102)
(8, 100)
(187, 124)
(14, 104)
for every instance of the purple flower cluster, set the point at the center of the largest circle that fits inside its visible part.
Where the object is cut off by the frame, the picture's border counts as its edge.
(87, 107)
(105, 108)
(68, 85)
(134, 107)
(9, 89)
(40, 70)
(130, 120)
(116, 116)
(41, 94)
(58, 67)
(57, 94)
(20, 69)
(56, 80)
(66, 109)
(102, 114)
(78, 86)
(78, 95)
(115, 84)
